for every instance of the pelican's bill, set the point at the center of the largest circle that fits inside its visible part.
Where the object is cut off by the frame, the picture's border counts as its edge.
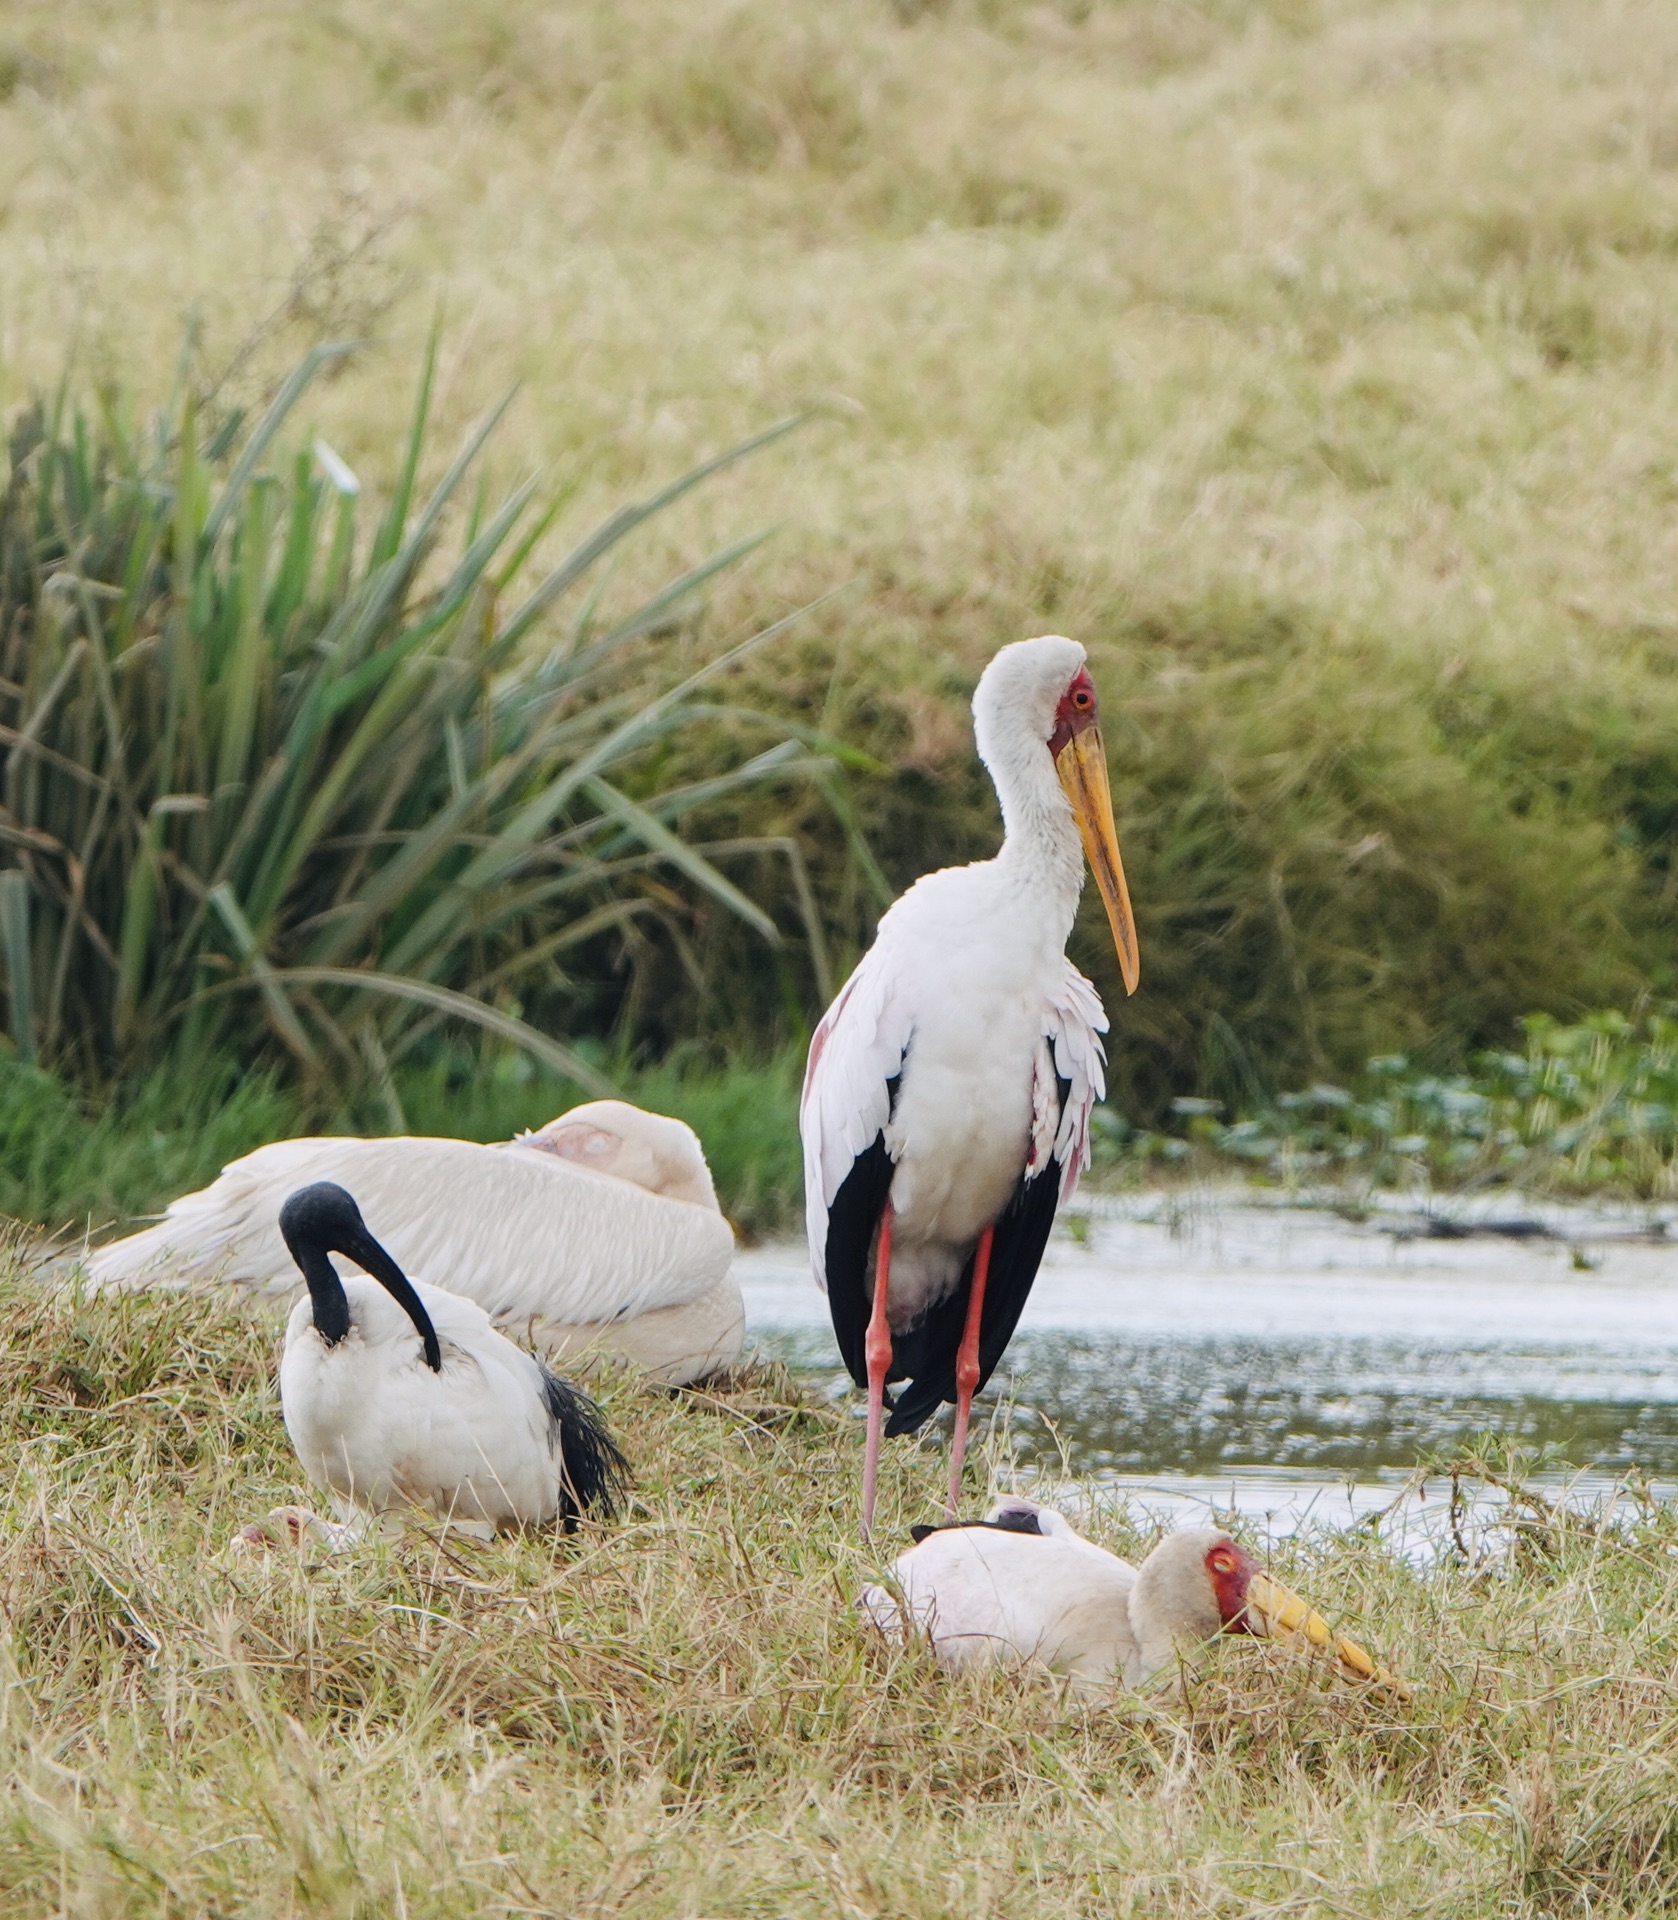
(1276, 1610)
(1081, 766)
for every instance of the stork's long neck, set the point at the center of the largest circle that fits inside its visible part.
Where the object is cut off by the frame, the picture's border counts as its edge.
(1041, 849)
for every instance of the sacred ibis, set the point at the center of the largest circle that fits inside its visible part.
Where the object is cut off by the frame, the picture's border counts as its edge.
(399, 1394)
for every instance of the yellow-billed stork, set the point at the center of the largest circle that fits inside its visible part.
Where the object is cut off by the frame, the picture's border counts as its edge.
(947, 1098)
(1023, 1585)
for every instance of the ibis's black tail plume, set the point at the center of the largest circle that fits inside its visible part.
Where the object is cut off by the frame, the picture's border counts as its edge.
(596, 1473)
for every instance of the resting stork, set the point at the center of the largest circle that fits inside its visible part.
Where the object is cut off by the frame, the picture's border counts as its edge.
(947, 1099)
(1023, 1585)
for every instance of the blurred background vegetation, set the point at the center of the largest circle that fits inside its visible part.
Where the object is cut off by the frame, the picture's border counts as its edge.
(1312, 362)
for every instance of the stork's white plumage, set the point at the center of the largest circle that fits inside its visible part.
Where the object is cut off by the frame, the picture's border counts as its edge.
(399, 1394)
(599, 1230)
(1023, 1585)
(948, 1093)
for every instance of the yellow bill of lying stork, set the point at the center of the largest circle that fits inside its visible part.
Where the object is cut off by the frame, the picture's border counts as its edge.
(598, 1233)
(1024, 1586)
(947, 1099)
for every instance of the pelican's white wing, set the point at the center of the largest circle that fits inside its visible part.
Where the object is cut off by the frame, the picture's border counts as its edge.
(855, 1054)
(526, 1235)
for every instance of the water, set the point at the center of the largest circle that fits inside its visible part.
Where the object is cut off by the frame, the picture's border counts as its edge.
(1215, 1350)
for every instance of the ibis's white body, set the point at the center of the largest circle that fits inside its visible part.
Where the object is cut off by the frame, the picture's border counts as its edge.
(556, 1251)
(378, 1429)
(968, 1000)
(984, 1597)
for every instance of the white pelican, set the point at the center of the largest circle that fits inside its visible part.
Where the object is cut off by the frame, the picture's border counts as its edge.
(1023, 1585)
(947, 1098)
(401, 1395)
(600, 1230)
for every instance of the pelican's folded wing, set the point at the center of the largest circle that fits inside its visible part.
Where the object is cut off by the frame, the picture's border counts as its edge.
(522, 1233)
(529, 1236)
(230, 1230)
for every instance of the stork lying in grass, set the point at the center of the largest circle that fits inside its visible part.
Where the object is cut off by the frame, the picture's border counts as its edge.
(599, 1232)
(397, 1395)
(1022, 1585)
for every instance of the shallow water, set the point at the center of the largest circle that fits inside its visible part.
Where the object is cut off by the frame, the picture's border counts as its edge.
(1219, 1350)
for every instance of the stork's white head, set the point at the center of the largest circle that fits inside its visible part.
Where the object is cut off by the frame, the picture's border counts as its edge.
(1015, 701)
(648, 1150)
(1201, 1582)
(1037, 723)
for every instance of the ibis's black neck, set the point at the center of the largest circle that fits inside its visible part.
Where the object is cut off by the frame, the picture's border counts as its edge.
(322, 1220)
(328, 1302)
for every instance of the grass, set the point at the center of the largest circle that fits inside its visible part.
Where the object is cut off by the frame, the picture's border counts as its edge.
(285, 785)
(1312, 359)
(68, 1162)
(682, 1716)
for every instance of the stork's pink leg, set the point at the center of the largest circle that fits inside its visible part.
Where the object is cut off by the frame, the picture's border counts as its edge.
(967, 1364)
(877, 1352)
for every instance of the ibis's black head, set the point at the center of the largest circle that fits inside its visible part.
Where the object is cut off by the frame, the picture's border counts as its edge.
(322, 1219)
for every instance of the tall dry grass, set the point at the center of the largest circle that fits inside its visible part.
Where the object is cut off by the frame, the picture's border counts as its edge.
(683, 1716)
(1313, 359)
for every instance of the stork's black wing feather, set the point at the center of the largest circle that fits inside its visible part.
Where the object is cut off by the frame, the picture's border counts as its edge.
(926, 1352)
(1010, 1520)
(852, 1221)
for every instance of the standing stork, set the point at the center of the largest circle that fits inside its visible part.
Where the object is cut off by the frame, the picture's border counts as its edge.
(947, 1099)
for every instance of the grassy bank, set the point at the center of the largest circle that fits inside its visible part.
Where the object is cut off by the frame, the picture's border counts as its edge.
(682, 1716)
(1315, 362)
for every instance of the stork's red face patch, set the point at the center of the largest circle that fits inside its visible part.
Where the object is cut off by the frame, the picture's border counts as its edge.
(1078, 709)
(1230, 1568)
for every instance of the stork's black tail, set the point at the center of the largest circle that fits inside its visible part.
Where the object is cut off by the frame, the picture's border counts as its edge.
(596, 1474)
